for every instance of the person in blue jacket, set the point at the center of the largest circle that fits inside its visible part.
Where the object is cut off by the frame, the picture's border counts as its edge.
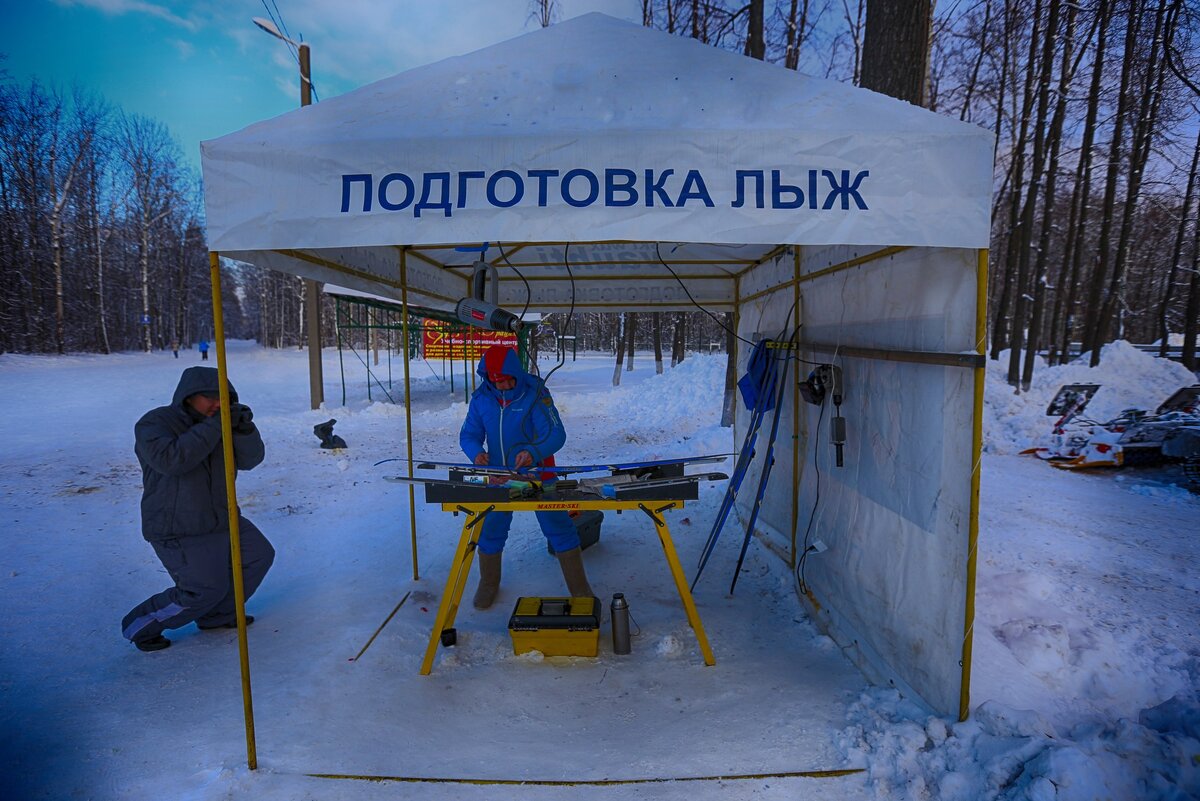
(511, 422)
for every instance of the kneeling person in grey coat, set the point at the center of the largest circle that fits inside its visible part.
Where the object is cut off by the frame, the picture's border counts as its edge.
(185, 511)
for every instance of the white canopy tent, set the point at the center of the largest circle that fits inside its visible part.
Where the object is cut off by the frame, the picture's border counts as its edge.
(623, 168)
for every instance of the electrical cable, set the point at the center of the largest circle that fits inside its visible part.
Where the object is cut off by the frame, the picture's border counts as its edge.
(528, 291)
(729, 331)
(721, 324)
(525, 419)
(816, 502)
(277, 19)
(570, 314)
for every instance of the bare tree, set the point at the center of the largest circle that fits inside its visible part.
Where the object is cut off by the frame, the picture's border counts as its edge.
(658, 360)
(756, 46)
(895, 53)
(630, 336)
(1024, 233)
(151, 157)
(1049, 206)
(1143, 129)
(619, 346)
(544, 12)
(1064, 313)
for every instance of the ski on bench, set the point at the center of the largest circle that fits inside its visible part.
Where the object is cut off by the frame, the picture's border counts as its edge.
(566, 469)
(607, 487)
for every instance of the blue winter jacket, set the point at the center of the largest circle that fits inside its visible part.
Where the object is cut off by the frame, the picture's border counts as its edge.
(506, 423)
(183, 463)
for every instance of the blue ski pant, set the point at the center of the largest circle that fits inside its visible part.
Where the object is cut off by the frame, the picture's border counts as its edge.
(557, 526)
(203, 574)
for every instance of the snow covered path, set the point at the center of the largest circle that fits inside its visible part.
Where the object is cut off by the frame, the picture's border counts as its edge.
(1087, 615)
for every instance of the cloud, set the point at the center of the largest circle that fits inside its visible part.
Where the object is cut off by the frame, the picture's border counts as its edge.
(186, 49)
(118, 7)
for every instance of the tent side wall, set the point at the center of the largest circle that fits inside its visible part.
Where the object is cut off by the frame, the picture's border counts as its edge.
(892, 585)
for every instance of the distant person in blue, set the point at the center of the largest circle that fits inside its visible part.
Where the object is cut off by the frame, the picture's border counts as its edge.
(511, 422)
(185, 510)
(203, 346)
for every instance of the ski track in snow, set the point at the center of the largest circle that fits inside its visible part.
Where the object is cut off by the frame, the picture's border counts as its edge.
(1086, 652)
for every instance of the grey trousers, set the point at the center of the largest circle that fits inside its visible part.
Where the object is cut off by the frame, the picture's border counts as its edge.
(203, 573)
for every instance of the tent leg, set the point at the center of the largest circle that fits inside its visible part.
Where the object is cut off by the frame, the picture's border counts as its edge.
(412, 498)
(981, 280)
(235, 542)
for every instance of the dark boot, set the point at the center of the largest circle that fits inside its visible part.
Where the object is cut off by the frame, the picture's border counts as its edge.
(489, 579)
(155, 643)
(571, 563)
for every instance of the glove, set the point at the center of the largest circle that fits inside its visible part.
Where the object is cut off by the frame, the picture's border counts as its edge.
(241, 417)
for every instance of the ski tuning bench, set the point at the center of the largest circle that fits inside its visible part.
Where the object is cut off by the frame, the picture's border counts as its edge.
(477, 511)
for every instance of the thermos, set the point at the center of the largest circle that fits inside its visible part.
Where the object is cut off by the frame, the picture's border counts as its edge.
(620, 623)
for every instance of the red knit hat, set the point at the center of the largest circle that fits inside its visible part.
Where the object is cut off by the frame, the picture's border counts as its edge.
(493, 361)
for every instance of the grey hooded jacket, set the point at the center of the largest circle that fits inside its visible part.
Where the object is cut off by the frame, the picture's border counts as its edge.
(183, 463)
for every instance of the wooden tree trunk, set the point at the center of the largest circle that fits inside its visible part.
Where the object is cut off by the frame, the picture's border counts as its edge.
(1080, 203)
(895, 55)
(756, 45)
(1024, 233)
(101, 316)
(630, 334)
(1091, 340)
(1000, 331)
(619, 343)
(1141, 139)
(658, 360)
(981, 49)
(1049, 205)
(1185, 216)
(681, 331)
(1191, 315)
(144, 264)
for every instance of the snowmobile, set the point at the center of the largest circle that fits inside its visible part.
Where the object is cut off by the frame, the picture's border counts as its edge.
(1134, 437)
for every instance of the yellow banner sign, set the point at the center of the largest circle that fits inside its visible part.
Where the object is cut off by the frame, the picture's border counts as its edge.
(440, 342)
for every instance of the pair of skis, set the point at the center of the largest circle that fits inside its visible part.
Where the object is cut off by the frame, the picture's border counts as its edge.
(604, 487)
(768, 394)
(563, 470)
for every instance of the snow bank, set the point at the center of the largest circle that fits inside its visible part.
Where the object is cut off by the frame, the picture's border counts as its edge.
(1008, 754)
(1128, 378)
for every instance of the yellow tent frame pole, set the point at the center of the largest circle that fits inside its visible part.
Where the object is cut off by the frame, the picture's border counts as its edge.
(795, 412)
(981, 281)
(412, 498)
(235, 540)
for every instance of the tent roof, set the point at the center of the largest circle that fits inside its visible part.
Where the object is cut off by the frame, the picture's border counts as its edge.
(594, 130)
(592, 75)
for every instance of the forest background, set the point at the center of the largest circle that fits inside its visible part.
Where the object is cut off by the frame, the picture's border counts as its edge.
(1095, 237)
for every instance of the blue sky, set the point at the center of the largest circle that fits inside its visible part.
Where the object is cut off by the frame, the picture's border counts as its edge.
(204, 69)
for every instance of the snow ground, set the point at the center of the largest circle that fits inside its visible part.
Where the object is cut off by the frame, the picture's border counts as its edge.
(1086, 659)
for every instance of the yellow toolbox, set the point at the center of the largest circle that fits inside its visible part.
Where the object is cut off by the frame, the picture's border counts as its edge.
(556, 626)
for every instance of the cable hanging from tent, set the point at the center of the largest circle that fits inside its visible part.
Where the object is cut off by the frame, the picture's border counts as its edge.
(800, 563)
(728, 330)
(528, 290)
(570, 314)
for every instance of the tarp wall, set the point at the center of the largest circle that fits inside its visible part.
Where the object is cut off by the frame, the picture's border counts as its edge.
(896, 517)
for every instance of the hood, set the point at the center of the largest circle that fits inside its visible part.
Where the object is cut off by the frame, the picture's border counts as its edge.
(505, 361)
(200, 379)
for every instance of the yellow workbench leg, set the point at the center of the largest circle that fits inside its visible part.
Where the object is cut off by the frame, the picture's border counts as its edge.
(685, 595)
(460, 568)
